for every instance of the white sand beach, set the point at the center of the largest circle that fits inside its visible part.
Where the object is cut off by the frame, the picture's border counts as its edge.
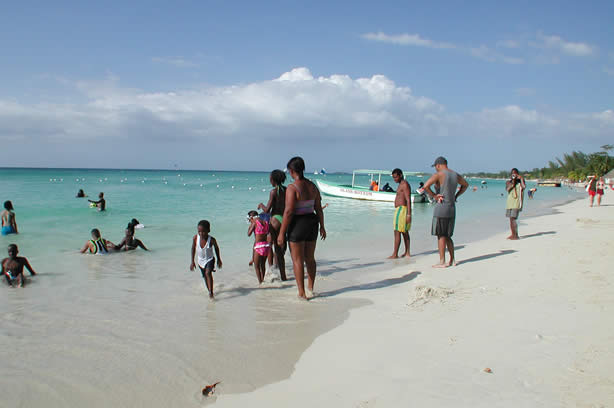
(537, 312)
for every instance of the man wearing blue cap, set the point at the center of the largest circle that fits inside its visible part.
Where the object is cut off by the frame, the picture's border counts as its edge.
(446, 182)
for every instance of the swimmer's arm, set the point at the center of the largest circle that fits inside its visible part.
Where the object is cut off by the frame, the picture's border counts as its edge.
(463, 186)
(217, 252)
(95, 202)
(28, 267)
(140, 243)
(85, 247)
(121, 244)
(110, 245)
(193, 252)
(267, 208)
(251, 228)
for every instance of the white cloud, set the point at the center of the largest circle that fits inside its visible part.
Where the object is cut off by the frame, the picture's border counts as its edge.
(406, 39)
(341, 119)
(179, 62)
(554, 42)
(482, 52)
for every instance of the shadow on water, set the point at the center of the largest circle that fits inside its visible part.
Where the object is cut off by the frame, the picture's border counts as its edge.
(244, 291)
(488, 256)
(537, 234)
(371, 286)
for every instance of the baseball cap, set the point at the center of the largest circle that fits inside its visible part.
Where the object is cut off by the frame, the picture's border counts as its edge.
(440, 160)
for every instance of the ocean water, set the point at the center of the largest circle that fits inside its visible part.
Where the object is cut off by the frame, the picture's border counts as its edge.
(137, 328)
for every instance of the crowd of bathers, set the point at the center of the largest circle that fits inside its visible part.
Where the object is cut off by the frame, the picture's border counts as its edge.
(292, 218)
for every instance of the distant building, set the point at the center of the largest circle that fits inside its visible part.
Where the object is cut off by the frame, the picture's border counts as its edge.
(609, 177)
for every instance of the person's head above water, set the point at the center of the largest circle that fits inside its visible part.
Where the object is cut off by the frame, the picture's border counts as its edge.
(96, 233)
(203, 227)
(12, 250)
(297, 166)
(8, 205)
(252, 213)
(101, 195)
(278, 177)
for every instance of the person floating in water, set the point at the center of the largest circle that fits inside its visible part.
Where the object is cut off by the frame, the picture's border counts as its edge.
(81, 193)
(97, 245)
(12, 267)
(262, 248)
(9, 225)
(203, 246)
(129, 242)
(101, 204)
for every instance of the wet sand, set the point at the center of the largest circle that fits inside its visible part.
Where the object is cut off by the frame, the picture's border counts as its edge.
(537, 312)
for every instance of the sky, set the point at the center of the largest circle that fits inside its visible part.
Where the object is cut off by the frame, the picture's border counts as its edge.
(231, 85)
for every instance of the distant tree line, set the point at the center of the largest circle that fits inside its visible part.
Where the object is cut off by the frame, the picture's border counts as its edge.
(574, 166)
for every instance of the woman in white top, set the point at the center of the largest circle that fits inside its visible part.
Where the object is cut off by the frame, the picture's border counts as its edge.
(203, 246)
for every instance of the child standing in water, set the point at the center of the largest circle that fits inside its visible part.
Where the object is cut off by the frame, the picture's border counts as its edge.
(203, 246)
(12, 267)
(260, 228)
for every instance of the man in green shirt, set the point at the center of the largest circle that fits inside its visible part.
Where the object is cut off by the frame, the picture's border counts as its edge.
(515, 189)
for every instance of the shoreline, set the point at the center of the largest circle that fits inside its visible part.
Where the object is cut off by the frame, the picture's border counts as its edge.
(530, 311)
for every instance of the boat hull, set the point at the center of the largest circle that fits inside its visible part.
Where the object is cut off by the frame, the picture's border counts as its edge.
(357, 193)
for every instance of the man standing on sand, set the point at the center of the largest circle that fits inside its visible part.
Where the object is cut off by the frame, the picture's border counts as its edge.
(515, 191)
(444, 214)
(402, 214)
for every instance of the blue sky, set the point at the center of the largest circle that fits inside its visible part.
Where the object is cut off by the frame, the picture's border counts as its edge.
(246, 85)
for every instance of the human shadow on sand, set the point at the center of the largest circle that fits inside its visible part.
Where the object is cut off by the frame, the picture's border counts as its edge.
(538, 234)
(371, 286)
(456, 248)
(334, 269)
(487, 256)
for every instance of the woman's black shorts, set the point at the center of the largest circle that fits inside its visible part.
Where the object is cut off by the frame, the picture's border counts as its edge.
(303, 228)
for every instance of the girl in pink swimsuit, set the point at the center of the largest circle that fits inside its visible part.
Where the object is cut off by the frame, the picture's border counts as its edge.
(260, 228)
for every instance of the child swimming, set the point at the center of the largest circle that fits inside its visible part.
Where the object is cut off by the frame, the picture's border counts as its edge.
(203, 246)
(12, 267)
(260, 228)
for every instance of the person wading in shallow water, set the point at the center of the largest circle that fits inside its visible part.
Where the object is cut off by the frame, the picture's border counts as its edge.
(302, 216)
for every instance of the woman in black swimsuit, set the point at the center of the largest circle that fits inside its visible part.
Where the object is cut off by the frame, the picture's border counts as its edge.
(302, 216)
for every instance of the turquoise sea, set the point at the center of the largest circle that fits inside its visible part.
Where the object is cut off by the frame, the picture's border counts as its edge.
(97, 328)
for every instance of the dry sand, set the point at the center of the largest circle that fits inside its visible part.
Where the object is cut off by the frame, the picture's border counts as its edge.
(537, 312)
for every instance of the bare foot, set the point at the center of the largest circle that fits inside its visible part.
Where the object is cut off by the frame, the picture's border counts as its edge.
(303, 297)
(393, 257)
(452, 263)
(440, 265)
(510, 237)
(513, 238)
(407, 255)
(308, 294)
